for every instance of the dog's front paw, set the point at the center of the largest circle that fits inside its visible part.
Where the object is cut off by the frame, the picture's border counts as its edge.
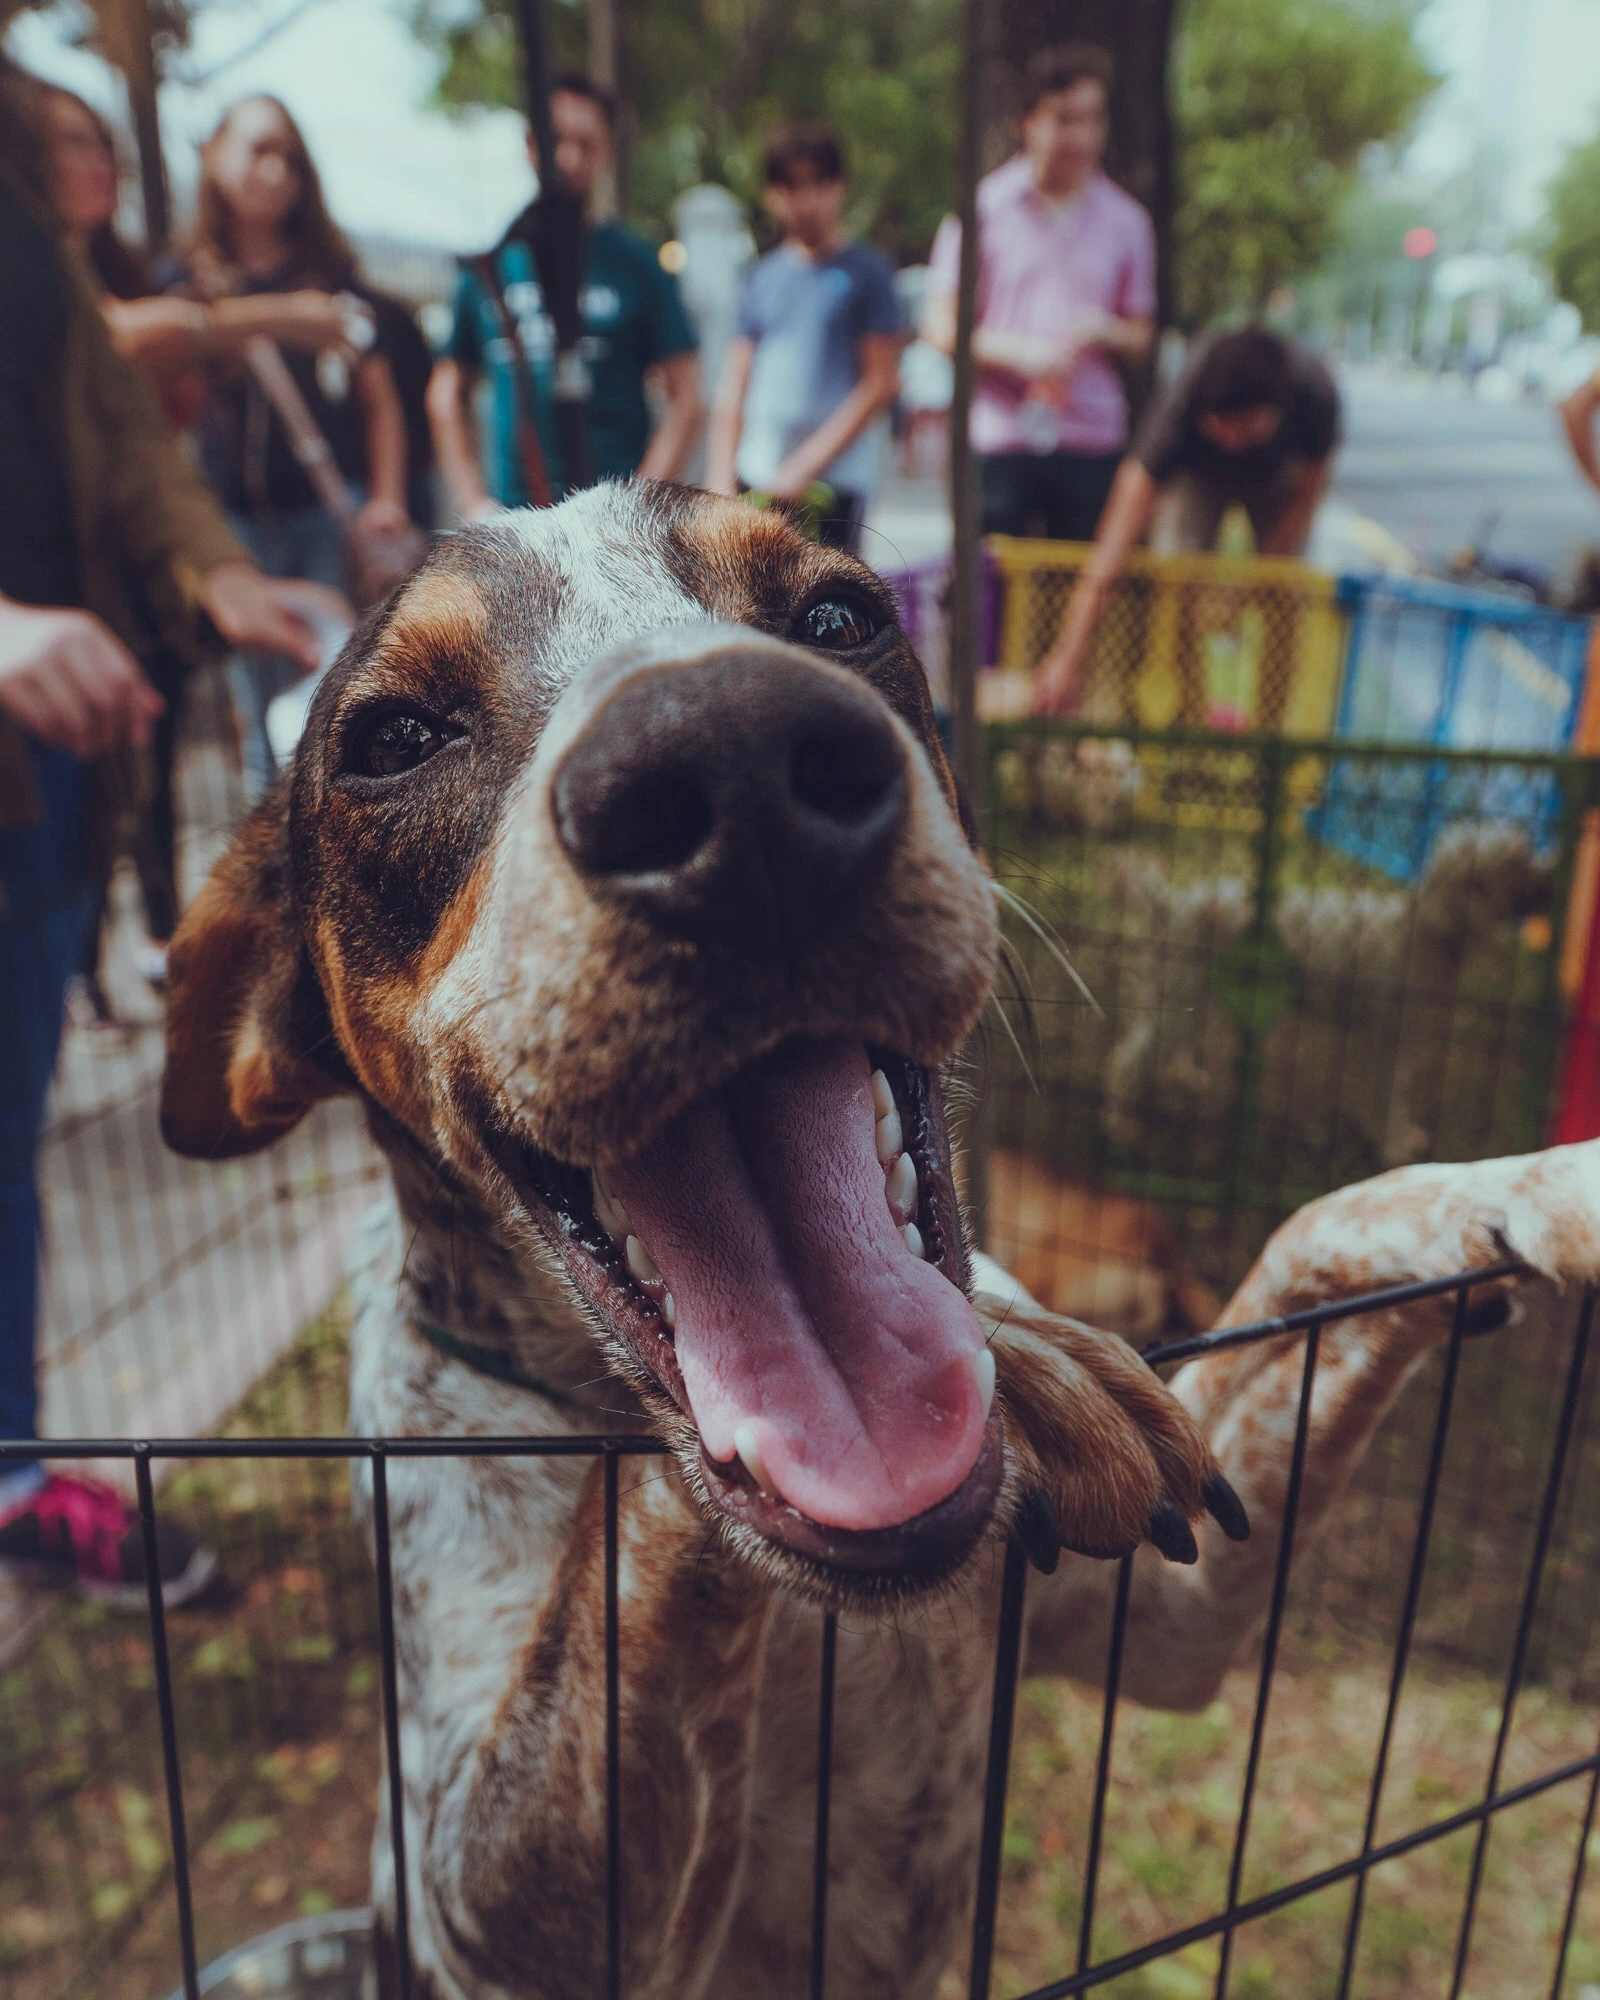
(1544, 1209)
(1101, 1455)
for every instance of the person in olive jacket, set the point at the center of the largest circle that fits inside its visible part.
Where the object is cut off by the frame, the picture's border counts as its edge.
(105, 532)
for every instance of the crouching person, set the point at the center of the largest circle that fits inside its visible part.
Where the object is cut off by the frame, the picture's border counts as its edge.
(1253, 422)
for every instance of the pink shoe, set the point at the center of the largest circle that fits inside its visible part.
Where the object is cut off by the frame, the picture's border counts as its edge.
(78, 1533)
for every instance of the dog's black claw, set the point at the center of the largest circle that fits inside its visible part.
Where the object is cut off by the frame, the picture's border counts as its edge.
(1037, 1531)
(1226, 1508)
(1171, 1533)
(1489, 1312)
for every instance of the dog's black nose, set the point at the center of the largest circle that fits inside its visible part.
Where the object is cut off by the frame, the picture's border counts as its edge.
(738, 797)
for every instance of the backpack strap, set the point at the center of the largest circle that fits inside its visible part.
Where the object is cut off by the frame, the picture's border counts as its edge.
(529, 449)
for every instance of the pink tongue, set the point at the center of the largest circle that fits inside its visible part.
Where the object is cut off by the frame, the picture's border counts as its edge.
(800, 1312)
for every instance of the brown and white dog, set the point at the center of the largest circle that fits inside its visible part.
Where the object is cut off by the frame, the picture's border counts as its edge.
(621, 873)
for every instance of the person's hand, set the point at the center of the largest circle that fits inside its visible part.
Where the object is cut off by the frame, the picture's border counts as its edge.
(790, 482)
(486, 508)
(1055, 685)
(275, 615)
(313, 319)
(383, 517)
(1056, 678)
(66, 679)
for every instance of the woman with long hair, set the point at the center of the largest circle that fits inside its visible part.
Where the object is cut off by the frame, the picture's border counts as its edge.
(175, 340)
(106, 531)
(262, 230)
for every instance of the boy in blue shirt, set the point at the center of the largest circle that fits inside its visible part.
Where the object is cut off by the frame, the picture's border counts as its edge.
(817, 359)
(634, 322)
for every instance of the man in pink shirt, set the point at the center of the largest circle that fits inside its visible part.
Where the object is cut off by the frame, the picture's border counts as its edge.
(1066, 289)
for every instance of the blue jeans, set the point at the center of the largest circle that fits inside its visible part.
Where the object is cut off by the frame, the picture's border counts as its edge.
(47, 903)
(304, 543)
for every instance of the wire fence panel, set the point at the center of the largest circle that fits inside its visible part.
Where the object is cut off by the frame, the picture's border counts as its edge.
(171, 1286)
(1396, 1792)
(1251, 1015)
(1249, 1849)
(1184, 642)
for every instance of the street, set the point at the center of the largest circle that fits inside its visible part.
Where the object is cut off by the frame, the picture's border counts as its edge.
(1441, 470)
(1435, 467)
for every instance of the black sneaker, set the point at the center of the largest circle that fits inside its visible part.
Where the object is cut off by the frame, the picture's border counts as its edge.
(79, 1533)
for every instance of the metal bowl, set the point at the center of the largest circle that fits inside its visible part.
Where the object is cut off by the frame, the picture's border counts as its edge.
(318, 1958)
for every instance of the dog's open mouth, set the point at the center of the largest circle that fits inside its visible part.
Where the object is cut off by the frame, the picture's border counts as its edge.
(785, 1260)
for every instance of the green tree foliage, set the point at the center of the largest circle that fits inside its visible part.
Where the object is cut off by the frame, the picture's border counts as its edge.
(707, 77)
(1276, 100)
(1573, 213)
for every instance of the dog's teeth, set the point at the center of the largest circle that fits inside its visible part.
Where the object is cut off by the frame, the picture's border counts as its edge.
(613, 1216)
(882, 1095)
(889, 1136)
(744, 1443)
(901, 1188)
(983, 1368)
(911, 1237)
(641, 1265)
(669, 1311)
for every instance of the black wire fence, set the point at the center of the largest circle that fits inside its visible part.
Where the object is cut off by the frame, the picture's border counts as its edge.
(1397, 1795)
(1551, 1560)
(1293, 964)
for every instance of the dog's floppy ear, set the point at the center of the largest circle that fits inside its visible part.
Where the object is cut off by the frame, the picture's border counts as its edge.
(249, 1046)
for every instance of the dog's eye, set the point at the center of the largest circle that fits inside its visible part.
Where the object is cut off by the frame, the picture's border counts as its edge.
(836, 624)
(396, 743)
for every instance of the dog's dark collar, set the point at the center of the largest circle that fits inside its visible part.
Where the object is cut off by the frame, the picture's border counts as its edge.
(486, 1360)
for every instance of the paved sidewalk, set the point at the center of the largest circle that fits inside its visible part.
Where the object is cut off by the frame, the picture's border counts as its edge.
(171, 1286)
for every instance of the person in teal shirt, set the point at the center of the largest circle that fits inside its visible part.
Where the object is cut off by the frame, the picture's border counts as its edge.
(634, 323)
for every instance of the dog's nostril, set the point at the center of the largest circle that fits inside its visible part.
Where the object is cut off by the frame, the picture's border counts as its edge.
(844, 775)
(658, 822)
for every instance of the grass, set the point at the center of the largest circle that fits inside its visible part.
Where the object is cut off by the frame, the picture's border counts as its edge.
(1171, 1818)
(279, 1725)
(278, 1706)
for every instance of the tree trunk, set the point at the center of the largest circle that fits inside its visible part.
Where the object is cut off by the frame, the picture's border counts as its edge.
(1138, 35)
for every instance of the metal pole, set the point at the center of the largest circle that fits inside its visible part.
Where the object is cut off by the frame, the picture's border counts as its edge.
(139, 70)
(606, 66)
(536, 86)
(559, 241)
(963, 472)
(964, 578)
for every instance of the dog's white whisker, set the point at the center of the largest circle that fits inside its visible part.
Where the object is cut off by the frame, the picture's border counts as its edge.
(1050, 938)
(901, 1188)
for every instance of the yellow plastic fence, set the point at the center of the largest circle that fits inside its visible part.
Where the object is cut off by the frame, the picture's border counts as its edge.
(1205, 642)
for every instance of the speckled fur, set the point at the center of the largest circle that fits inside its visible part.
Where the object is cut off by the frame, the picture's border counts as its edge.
(440, 960)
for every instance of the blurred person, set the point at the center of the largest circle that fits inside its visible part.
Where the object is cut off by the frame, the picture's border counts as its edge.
(262, 228)
(403, 344)
(1577, 419)
(171, 339)
(635, 329)
(1252, 421)
(816, 361)
(102, 522)
(175, 340)
(1066, 291)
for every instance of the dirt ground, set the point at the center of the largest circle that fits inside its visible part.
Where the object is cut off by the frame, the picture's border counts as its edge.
(279, 1712)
